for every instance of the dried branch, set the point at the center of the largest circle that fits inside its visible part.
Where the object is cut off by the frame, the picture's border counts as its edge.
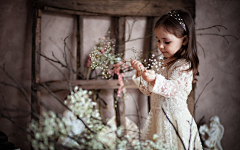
(70, 66)
(17, 83)
(139, 118)
(136, 116)
(138, 38)
(20, 89)
(50, 92)
(190, 124)
(59, 62)
(221, 35)
(174, 129)
(134, 20)
(57, 69)
(10, 119)
(200, 95)
(202, 49)
(215, 26)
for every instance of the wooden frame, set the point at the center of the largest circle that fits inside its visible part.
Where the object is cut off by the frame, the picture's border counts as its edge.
(118, 10)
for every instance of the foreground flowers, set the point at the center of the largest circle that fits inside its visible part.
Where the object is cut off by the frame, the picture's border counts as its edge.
(80, 127)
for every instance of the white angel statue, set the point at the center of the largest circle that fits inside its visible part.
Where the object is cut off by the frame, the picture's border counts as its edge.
(212, 135)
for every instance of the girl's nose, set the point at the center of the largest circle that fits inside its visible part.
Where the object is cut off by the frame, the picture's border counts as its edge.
(160, 46)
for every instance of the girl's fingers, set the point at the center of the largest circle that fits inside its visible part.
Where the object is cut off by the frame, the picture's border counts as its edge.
(137, 65)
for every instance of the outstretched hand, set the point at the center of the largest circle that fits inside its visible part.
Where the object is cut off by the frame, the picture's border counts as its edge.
(137, 65)
(147, 75)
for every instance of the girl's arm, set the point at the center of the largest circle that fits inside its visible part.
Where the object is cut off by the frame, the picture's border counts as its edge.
(142, 84)
(177, 82)
(138, 80)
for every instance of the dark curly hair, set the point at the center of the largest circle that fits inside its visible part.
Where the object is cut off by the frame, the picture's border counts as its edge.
(188, 51)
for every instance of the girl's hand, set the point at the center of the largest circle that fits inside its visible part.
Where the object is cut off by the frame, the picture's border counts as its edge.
(149, 75)
(137, 65)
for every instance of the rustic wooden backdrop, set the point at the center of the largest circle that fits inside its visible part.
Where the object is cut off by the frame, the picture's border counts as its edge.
(117, 10)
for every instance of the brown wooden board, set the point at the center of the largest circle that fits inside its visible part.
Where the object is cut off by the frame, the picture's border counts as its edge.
(116, 7)
(86, 84)
(36, 50)
(80, 64)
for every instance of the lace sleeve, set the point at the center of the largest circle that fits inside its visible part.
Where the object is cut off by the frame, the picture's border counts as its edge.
(177, 82)
(143, 87)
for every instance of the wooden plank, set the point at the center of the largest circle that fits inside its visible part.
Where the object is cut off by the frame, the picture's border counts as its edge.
(36, 48)
(147, 47)
(120, 48)
(116, 7)
(121, 35)
(118, 32)
(86, 84)
(80, 63)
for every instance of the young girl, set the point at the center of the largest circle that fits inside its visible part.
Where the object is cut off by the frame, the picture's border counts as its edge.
(170, 86)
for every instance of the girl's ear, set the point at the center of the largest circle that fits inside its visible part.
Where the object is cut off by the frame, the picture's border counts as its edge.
(185, 40)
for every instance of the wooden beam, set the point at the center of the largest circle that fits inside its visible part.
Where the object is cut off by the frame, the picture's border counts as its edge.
(85, 84)
(121, 35)
(147, 47)
(118, 32)
(36, 48)
(80, 62)
(116, 7)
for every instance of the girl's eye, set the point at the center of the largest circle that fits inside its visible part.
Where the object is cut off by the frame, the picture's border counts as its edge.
(167, 42)
(158, 40)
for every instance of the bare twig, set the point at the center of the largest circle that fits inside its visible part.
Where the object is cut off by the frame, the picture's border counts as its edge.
(50, 92)
(175, 129)
(22, 90)
(136, 116)
(138, 38)
(139, 118)
(195, 140)
(215, 26)
(17, 83)
(190, 133)
(59, 62)
(134, 20)
(69, 66)
(200, 95)
(202, 49)
(71, 54)
(57, 69)
(10, 119)
(221, 35)
(5, 105)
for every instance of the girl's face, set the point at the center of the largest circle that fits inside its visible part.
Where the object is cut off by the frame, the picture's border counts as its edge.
(168, 43)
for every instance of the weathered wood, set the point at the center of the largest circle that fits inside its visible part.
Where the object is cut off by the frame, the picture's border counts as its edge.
(114, 27)
(147, 47)
(86, 84)
(121, 35)
(120, 103)
(118, 32)
(116, 7)
(36, 48)
(80, 64)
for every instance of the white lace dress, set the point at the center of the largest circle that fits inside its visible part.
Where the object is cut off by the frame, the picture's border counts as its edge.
(169, 94)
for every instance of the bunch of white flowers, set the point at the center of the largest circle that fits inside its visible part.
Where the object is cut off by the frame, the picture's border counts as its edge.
(53, 130)
(52, 126)
(103, 57)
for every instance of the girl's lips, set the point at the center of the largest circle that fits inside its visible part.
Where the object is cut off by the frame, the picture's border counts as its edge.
(163, 52)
